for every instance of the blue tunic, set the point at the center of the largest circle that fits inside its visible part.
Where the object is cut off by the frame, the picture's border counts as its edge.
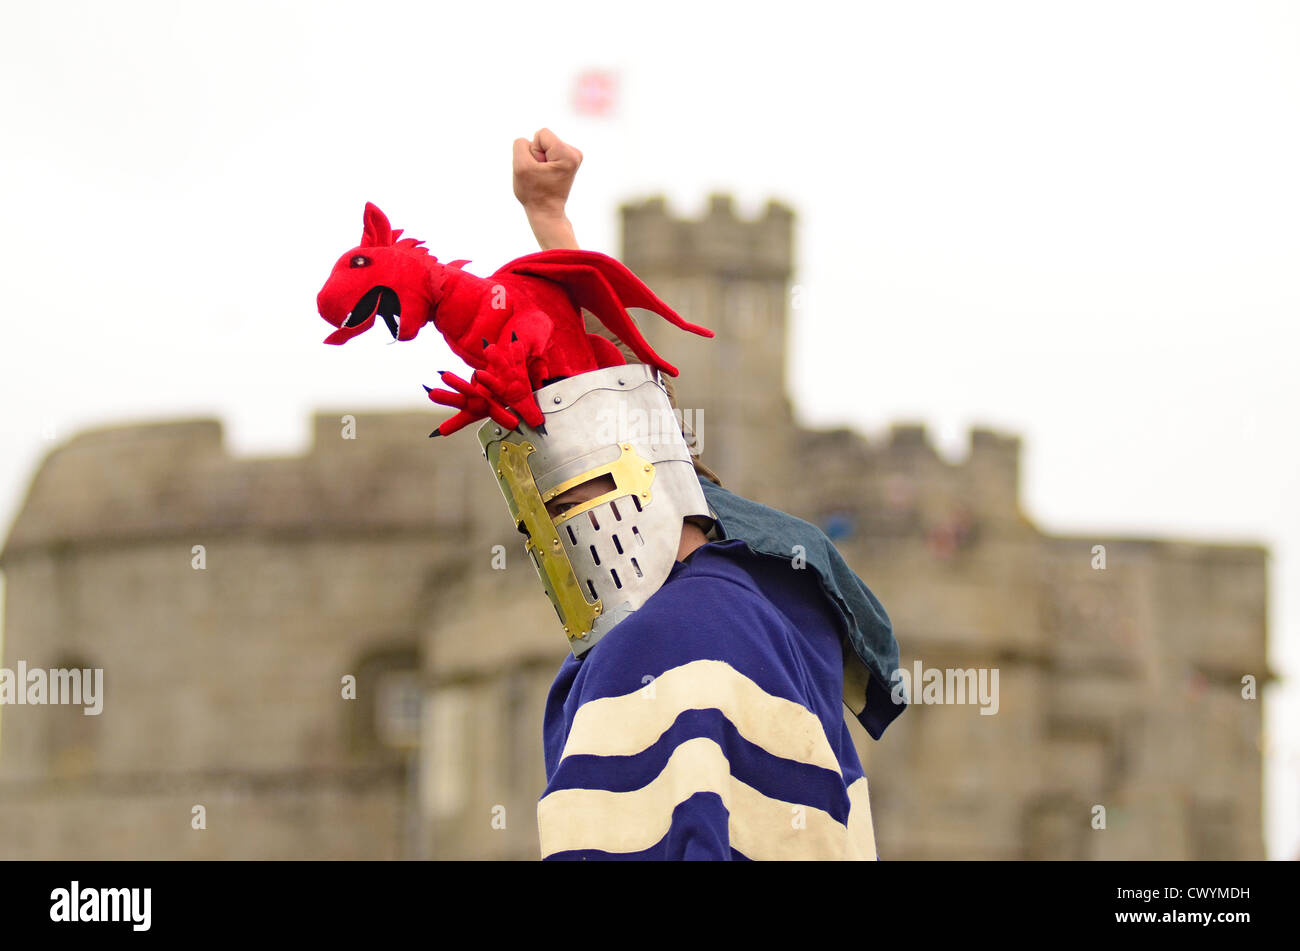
(709, 723)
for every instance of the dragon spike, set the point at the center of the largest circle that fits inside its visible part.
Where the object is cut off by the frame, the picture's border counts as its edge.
(434, 433)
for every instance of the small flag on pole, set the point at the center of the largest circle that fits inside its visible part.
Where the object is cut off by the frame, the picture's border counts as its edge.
(594, 93)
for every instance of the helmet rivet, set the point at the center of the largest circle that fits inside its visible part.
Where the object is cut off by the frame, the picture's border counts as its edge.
(645, 495)
(647, 468)
(557, 400)
(566, 629)
(498, 431)
(621, 383)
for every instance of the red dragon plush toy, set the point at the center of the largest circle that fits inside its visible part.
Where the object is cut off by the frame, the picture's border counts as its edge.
(520, 328)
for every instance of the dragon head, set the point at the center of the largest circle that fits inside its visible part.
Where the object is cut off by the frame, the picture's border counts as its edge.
(399, 281)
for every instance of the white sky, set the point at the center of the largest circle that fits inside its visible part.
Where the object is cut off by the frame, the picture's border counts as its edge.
(1079, 222)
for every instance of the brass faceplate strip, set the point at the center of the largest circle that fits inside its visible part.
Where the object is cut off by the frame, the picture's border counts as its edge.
(632, 476)
(510, 460)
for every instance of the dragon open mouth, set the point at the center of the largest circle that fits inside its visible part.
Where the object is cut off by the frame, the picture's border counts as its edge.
(379, 300)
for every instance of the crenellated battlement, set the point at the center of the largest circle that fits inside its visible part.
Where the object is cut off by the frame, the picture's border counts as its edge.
(903, 474)
(720, 243)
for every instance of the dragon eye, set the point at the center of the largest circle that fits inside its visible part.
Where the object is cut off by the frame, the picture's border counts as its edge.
(359, 260)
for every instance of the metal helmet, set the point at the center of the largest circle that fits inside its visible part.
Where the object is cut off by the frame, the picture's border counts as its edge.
(602, 559)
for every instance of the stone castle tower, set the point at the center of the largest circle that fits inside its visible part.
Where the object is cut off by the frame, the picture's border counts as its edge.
(346, 654)
(732, 276)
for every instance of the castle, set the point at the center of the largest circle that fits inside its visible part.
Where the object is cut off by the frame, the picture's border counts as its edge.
(346, 654)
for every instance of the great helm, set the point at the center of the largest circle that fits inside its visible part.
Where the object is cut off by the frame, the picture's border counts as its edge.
(602, 559)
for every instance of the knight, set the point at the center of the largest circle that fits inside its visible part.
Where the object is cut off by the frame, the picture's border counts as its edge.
(699, 711)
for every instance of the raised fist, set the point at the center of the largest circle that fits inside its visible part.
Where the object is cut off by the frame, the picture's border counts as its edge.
(543, 172)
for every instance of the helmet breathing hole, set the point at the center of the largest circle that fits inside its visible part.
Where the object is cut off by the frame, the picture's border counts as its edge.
(592, 588)
(617, 583)
(572, 537)
(613, 507)
(637, 532)
(636, 502)
(617, 544)
(594, 555)
(638, 569)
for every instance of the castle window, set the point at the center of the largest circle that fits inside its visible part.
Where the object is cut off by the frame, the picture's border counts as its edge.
(745, 309)
(71, 736)
(399, 699)
(385, 718)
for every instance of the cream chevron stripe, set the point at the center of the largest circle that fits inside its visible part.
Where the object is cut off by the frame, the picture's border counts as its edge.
(760, 827)
(623, 726)
(862, 833)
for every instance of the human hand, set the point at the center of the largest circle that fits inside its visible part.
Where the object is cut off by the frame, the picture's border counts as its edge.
(544, 170)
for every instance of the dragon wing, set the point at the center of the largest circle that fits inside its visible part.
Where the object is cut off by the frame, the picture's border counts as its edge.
(604, 286)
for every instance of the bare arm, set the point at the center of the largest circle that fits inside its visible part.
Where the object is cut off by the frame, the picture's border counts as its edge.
(543, 175)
